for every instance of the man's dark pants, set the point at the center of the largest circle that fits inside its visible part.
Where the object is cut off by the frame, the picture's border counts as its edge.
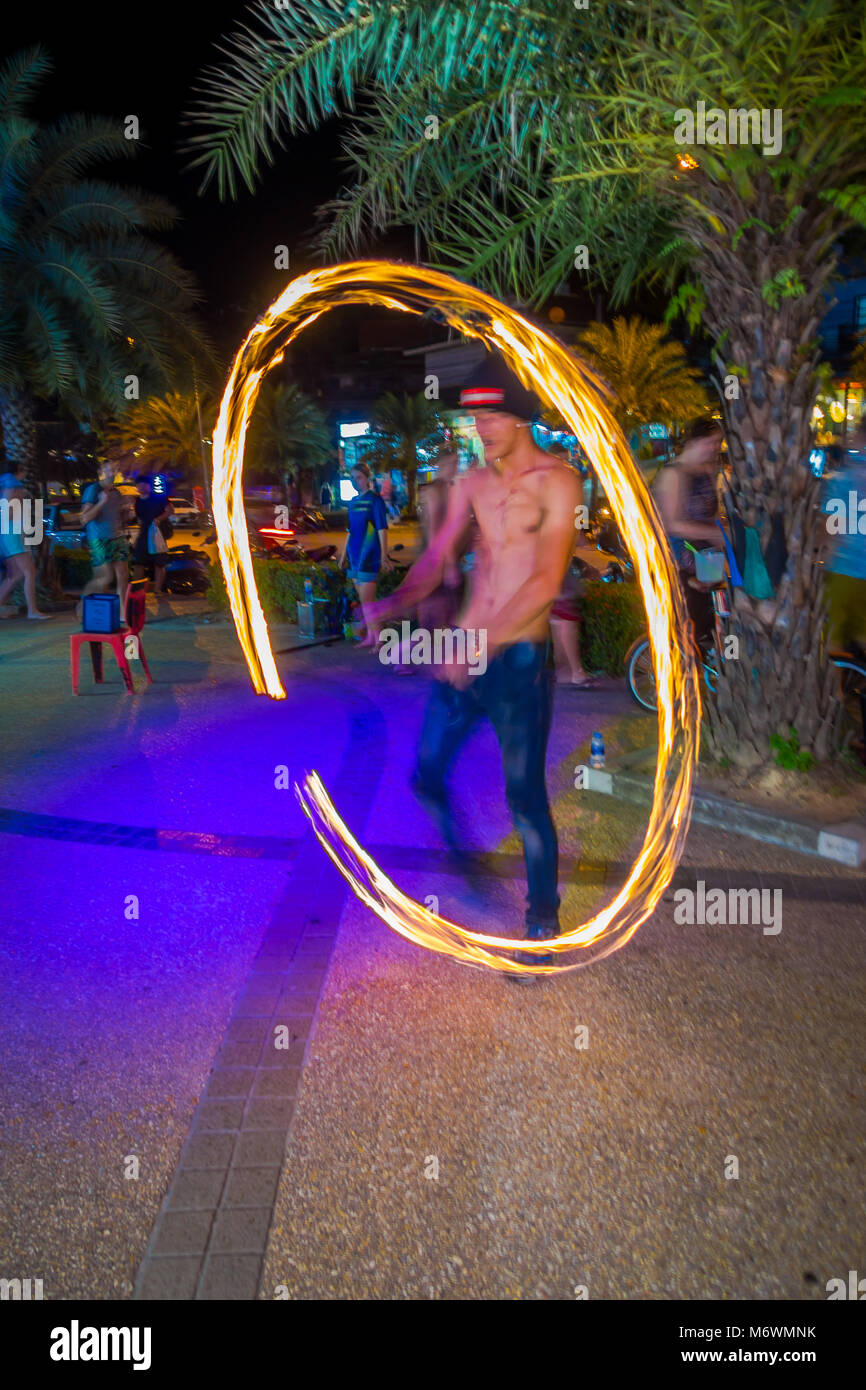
(516, 695)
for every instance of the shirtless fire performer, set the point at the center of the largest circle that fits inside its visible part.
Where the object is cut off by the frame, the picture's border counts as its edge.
(524, 506)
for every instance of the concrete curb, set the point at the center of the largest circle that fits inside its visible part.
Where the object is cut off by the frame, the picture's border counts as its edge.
(846, 843)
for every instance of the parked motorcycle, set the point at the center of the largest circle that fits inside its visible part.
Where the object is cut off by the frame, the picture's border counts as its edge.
(618, 572)
(187, 571)
(320, 553)
(263, 547)
(606, 535)
(305, 519)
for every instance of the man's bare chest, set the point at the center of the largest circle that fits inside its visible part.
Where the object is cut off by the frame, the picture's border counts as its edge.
(510, 514)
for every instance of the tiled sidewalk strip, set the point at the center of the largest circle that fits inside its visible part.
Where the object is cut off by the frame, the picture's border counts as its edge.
(92, 832)
(393, 858)
(211, 1235)
(210, 1239)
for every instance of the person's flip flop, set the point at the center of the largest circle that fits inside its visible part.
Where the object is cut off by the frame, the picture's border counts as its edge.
(589, 684)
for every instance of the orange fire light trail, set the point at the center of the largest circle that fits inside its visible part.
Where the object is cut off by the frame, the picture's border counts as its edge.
(568, 386)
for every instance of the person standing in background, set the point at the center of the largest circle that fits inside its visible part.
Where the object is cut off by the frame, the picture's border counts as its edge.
(687, 497)
(148, 556)
(439, 608)
(365, 552)
(102, 516)
(20, 565)
(846, 563)
(386, 492)
(565, 614)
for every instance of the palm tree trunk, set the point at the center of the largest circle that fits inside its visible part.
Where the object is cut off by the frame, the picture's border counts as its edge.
(306, 485)
(412, 488)
(19, 433)
(409, 461)
(780, 677)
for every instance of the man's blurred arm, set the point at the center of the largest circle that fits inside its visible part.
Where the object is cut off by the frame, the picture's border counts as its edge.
(92, 509)
(428, 571)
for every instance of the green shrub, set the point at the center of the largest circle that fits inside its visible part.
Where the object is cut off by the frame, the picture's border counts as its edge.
(789, 754)
(281, 585)
(388, 581)
(73, 567)
(612, 618)
(613, 615)
(216, 588)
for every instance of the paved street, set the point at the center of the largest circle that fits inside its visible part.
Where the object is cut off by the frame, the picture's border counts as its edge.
(428, 1131)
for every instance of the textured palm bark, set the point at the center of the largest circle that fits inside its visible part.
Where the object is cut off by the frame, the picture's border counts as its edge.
(412, 488)
(781, 677)
(19, 432)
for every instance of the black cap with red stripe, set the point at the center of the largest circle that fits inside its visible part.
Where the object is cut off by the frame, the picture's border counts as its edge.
(493, 386)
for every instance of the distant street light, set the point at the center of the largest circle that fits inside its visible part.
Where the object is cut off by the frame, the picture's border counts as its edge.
(202, 441)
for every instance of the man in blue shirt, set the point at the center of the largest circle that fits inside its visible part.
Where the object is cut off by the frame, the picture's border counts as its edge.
(366, 549)
(103, 514)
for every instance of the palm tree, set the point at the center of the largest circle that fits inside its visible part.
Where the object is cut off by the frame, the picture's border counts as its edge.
(87, 302)
(556, 127)
(857, 370)
(165, 430)
(648, 373)
(289, 436)
(403, 422)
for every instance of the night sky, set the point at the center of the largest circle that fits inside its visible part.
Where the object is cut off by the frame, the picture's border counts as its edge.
(114, 59)
(117, 60)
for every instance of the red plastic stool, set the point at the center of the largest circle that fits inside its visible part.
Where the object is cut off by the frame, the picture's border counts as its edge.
(134, 616)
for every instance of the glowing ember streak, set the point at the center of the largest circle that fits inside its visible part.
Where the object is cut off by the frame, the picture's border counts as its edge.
(566, 384)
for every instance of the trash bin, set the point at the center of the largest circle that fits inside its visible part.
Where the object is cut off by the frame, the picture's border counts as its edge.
(316, 619)
(307, 619)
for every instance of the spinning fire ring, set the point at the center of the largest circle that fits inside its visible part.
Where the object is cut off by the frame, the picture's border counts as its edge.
(566, 385)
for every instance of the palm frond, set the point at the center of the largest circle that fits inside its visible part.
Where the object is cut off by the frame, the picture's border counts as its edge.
(91, 298)
(21, 76)
(649, 374)
(294, 68)
(65, 151)
(287, 429)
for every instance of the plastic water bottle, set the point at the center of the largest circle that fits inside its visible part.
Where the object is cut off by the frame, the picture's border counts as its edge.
(308, 591)
(596, 752)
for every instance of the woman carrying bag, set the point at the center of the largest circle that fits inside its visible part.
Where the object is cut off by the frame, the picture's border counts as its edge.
(688, 502)
(150, 551)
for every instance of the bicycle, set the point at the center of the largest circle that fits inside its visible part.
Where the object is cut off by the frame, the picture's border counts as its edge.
(851, 666)
(638, 659)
